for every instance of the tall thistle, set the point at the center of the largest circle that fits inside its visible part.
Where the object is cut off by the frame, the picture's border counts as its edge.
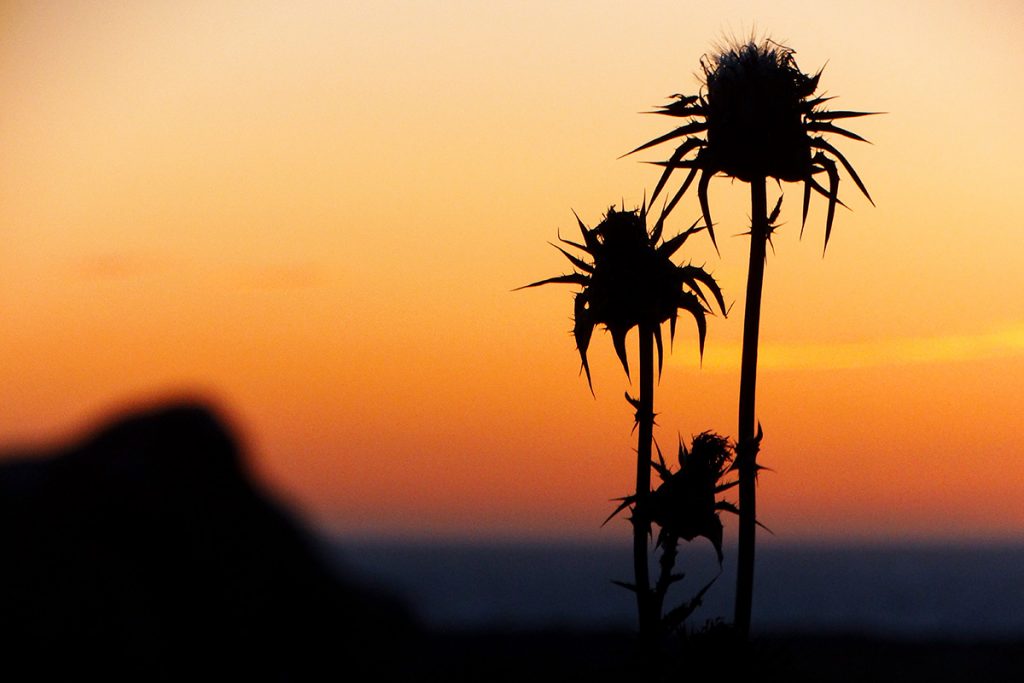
(759, 119)
(631, 281)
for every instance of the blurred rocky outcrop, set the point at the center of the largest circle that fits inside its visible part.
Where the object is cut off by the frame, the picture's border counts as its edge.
(145, 552)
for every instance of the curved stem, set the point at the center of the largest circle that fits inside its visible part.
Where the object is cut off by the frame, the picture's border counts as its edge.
(746, 445)
(641, 523)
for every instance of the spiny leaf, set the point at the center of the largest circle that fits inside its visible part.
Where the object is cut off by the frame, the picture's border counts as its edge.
(695, 127)
(825, 115)
(667, 110)
(807, 205)
(677, 616)
(691, 282)
(681, 107)
(657, 230)
(661, 468)
(588, 235)
(578, 262)
(824, 144)
(812, 83)
(705, 207)
(816, 186)
(583, 330)
(679, 194)
(573, 244)
(693, 273)
(817, 102)
(689, 302)
(670, 247)
(684, 99)
(825, 127)
(727, 506)
(571, 279)
(619, 342)
(833, 197)
(686, 163)
(626, 502)
(671, 164)
(774, 216)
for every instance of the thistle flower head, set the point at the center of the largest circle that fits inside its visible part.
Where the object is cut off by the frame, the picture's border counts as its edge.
(759, 119)
(685, 504)
(756, 99)
(631, 280)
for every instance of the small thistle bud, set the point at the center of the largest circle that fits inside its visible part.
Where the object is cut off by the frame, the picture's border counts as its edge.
(685, 504)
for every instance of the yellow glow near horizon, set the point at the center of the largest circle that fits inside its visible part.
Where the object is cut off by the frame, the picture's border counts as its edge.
(1007, 340)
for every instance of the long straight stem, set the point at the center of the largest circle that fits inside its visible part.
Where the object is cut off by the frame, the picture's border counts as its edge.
(641, 522)
(746, 445)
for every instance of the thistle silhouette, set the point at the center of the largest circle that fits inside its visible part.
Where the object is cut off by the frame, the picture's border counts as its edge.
(631, 281)
(685, 506)
(760, 120)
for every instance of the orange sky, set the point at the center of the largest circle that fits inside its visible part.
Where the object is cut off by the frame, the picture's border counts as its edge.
(313, 214)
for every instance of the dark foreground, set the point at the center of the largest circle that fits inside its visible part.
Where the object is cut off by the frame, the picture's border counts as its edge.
(145, 552)
(598, 657)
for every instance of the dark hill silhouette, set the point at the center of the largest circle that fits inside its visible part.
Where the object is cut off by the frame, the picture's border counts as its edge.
(145, 552)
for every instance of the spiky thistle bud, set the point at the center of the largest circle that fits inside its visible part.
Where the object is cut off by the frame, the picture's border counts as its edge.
(631, 280)
(760, 120)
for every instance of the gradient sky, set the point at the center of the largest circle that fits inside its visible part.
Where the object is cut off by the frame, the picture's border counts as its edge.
(313, 215)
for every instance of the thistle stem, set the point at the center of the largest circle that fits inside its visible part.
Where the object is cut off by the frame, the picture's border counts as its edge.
(669, 551)
(641, 521)
(746, 446)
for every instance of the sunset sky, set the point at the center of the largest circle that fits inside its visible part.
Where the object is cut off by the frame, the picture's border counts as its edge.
(313, 215)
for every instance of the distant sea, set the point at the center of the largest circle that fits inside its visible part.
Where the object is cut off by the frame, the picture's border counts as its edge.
(925, 591)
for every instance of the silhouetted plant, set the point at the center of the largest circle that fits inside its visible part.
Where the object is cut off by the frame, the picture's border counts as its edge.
(685, 506)
(760, 120)
(631, 281)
